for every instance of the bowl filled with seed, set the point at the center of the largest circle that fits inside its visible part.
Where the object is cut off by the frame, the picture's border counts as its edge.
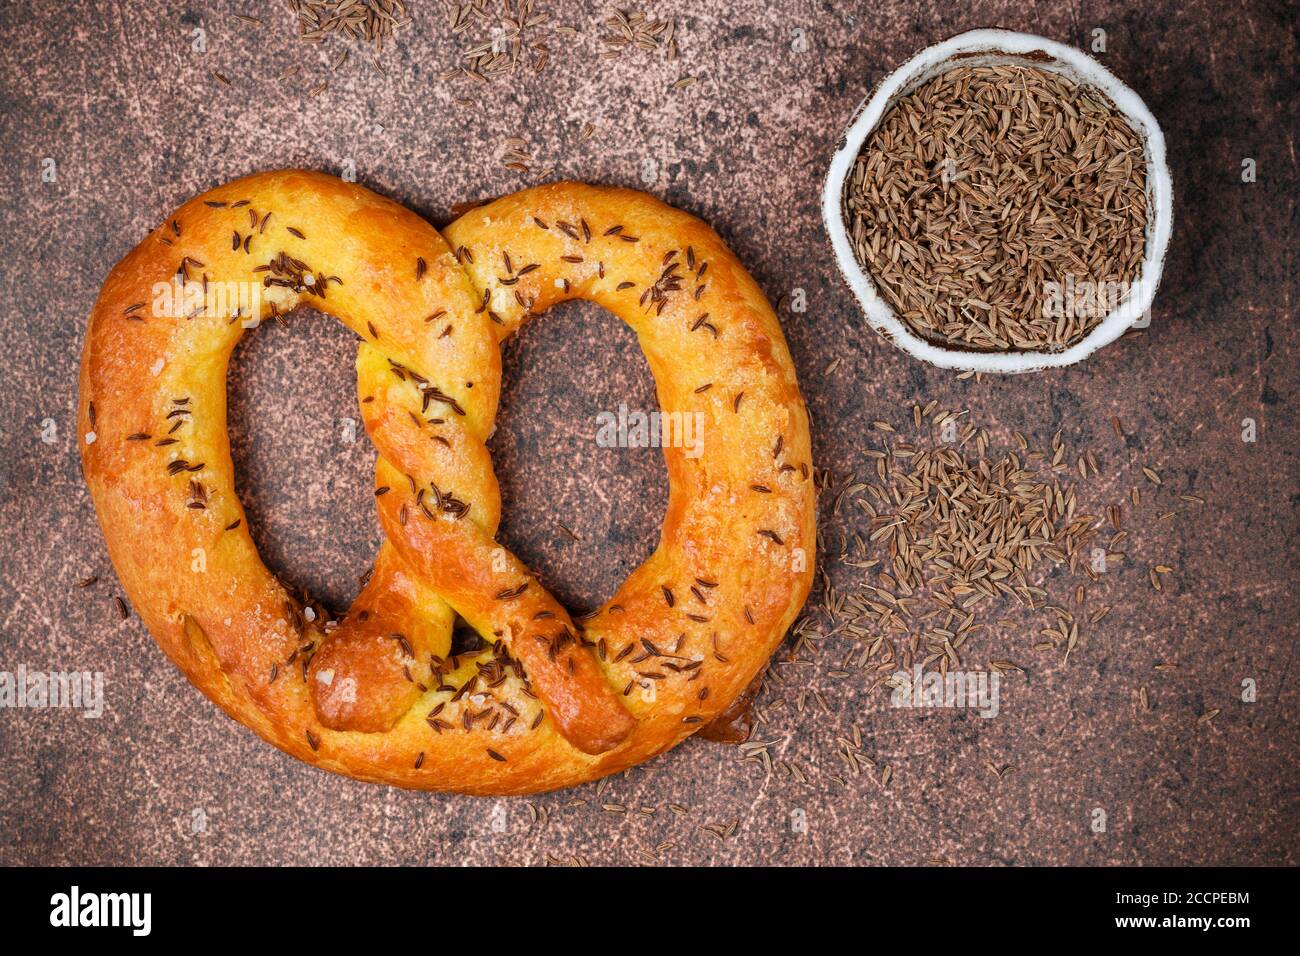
(1001, 203)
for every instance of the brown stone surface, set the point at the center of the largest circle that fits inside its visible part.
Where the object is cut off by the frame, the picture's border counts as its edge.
(116, 95)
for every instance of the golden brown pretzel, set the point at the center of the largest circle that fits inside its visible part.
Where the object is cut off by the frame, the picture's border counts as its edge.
(550, 702)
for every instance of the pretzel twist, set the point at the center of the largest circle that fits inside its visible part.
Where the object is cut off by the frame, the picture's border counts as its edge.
(378, 696)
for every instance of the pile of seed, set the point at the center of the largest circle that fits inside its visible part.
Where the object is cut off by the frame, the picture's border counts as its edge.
(984, 185)
(510, 38)
(371, 22)
(949, 533)
(638, 31)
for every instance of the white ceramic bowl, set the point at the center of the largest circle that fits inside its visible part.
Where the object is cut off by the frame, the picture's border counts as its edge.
(1001, 48)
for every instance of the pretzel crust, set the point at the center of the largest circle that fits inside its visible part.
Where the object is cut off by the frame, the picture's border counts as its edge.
(551, 702)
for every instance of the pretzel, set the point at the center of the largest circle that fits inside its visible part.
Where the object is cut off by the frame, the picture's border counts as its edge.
(377, 695)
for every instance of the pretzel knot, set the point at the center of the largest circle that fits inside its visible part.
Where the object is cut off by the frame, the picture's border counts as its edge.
(378, 695)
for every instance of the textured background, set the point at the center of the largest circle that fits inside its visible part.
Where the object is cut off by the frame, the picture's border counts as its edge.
(114, 93)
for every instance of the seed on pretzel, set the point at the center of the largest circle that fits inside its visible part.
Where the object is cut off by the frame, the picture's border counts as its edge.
(549, 701)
